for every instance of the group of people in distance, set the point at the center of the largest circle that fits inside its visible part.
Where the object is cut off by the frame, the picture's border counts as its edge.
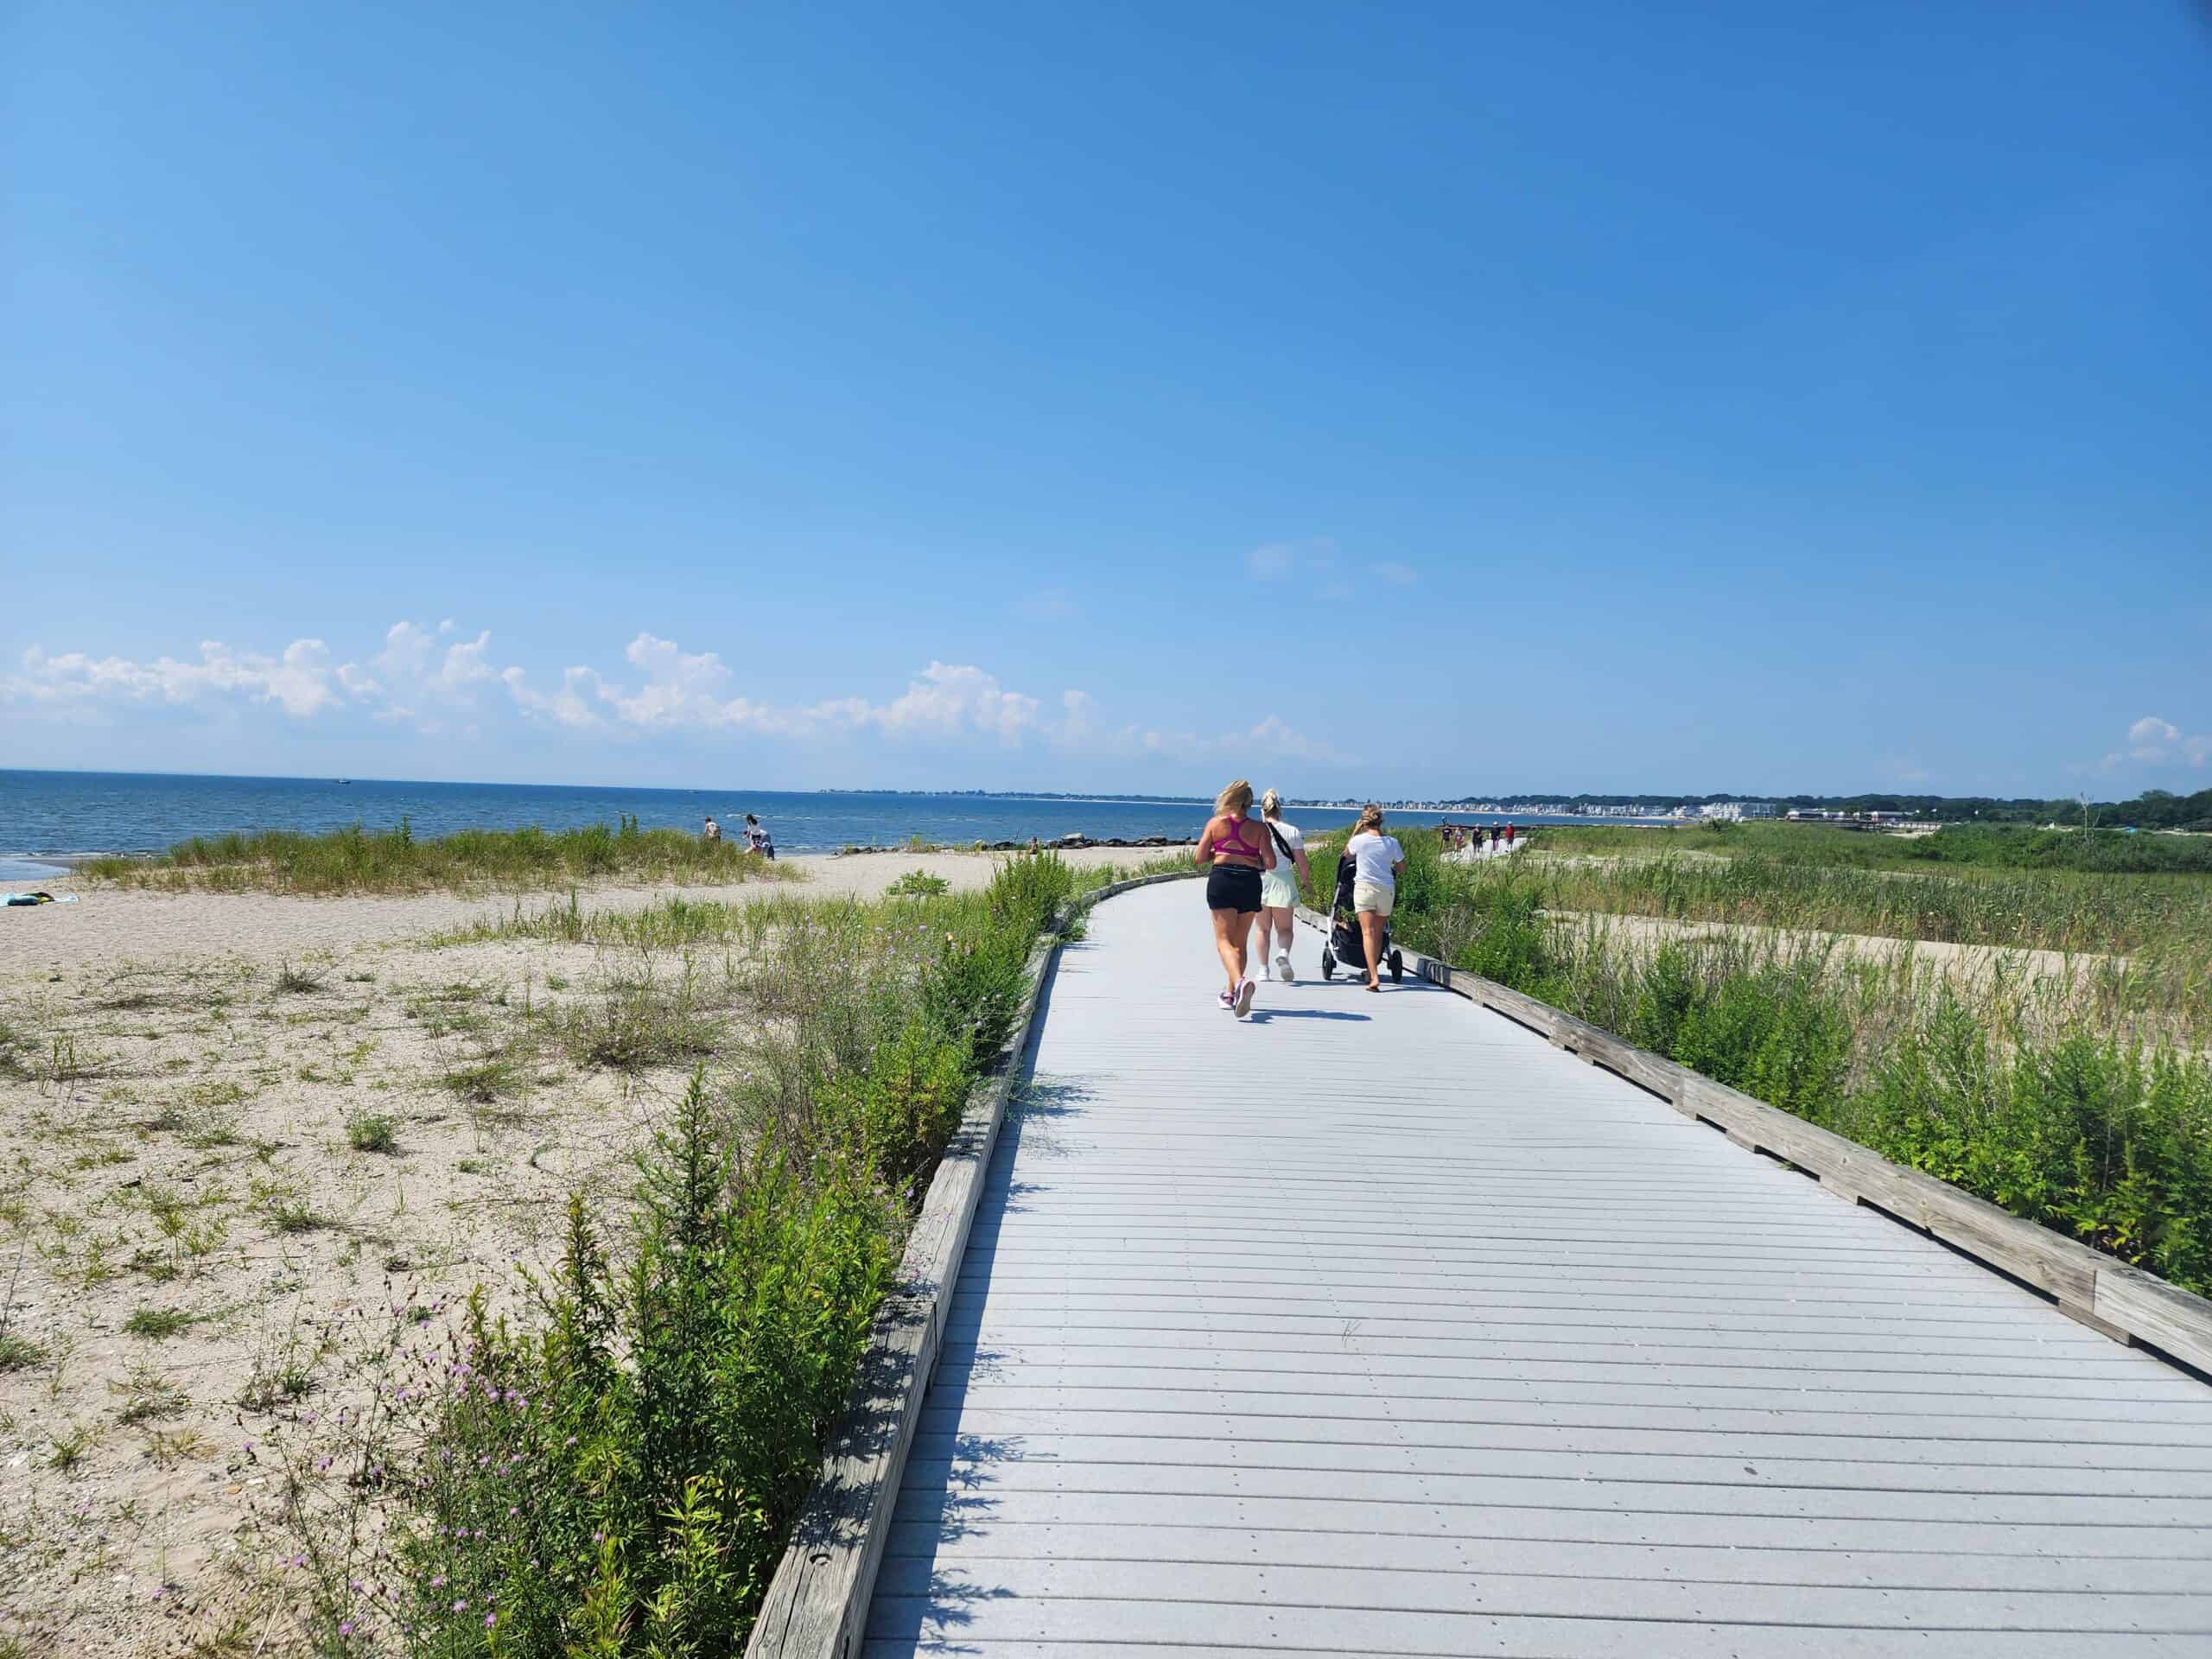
(1485, 839)
(1252, 892)
(757, 838)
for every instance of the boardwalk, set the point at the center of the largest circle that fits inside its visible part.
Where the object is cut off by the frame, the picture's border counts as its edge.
(1375, 1326)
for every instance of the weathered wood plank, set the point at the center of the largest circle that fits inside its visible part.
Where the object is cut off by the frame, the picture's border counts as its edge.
(2101, 1293)
(2155, 1311)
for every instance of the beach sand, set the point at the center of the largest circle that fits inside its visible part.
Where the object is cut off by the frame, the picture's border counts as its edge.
(111, 926)
(186, 1077)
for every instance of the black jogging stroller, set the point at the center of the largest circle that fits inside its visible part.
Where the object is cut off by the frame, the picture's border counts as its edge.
(1345, 948)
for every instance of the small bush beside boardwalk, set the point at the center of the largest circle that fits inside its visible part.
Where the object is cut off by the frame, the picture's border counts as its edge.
(2083, 1102)
(613, 1470)
(355, 860)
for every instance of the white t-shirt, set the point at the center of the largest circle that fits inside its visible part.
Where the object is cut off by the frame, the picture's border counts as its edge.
(1372, 857)
(1290, 839)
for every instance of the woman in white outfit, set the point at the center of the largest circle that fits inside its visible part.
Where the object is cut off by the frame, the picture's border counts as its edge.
(1378, 861)
(1279, 890)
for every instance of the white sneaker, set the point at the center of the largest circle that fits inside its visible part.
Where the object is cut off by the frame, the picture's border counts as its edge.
(1283, 969)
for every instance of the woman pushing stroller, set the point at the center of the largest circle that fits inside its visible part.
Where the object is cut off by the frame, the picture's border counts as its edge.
(1234, 853)
(1378, 861)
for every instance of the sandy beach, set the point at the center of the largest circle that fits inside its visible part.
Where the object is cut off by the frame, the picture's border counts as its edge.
(110, 925)
(239, 1130)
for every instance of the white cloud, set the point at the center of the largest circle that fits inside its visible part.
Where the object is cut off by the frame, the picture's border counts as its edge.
(430, 680)
(571, 706)
(1271, 738)
(406, 653)
(949, 698)
(1397, 575)
(299, 680)
(1277, 560)
(2153, 741)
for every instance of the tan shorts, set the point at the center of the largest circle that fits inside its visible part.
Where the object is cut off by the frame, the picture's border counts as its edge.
(1378, 896)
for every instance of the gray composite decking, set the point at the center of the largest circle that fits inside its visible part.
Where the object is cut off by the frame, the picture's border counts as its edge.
(1374, 1325)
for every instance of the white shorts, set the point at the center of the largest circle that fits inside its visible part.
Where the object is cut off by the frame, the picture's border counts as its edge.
(1279, 889)
(1378, 896)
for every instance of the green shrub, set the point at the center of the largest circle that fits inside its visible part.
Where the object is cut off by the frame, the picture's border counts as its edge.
(620, 1481)
(159, 1322)
(903, 1109)
(372, 1132)
(18, 1353)
(641, 1018)
(615, 1474)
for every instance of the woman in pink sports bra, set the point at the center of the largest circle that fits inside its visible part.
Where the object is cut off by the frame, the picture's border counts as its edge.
(1233, 851)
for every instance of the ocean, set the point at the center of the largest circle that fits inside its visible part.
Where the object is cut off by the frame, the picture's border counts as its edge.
(43, 814)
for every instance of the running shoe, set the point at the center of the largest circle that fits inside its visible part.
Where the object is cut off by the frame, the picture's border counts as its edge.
(1283, 969)
(1227, 1000)
(1243, 1004)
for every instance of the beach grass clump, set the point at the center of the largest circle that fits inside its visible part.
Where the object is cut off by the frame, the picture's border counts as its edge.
(159, 1322)
(289, 1218)
(373, 1132)
(641, 1018)
(616, 1472)
(485, 1077)
(2076, 1101)
(355, 860)
(18, 1353)
(147, 1396)
(918, 884)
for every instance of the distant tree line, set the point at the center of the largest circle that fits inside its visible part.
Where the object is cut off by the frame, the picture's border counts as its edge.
(2155, 808)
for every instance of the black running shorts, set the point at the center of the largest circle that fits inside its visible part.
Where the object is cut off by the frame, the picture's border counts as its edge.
(1233, 887)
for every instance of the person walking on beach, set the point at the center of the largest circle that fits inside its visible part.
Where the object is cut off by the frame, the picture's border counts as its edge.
(1377, 861)
(713, 832)
(1279, 890)
(1233, 857)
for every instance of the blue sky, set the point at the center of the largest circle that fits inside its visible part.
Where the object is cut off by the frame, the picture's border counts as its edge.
(1385, 398)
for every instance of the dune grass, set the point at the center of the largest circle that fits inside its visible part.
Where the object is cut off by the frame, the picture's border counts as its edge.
(2058, 909)
(355, 860)
(651, 1420)
(1955, 848)
(674, 922)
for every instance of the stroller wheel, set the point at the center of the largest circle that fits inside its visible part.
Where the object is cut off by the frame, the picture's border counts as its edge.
(1397, 968)
(1328, 966)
